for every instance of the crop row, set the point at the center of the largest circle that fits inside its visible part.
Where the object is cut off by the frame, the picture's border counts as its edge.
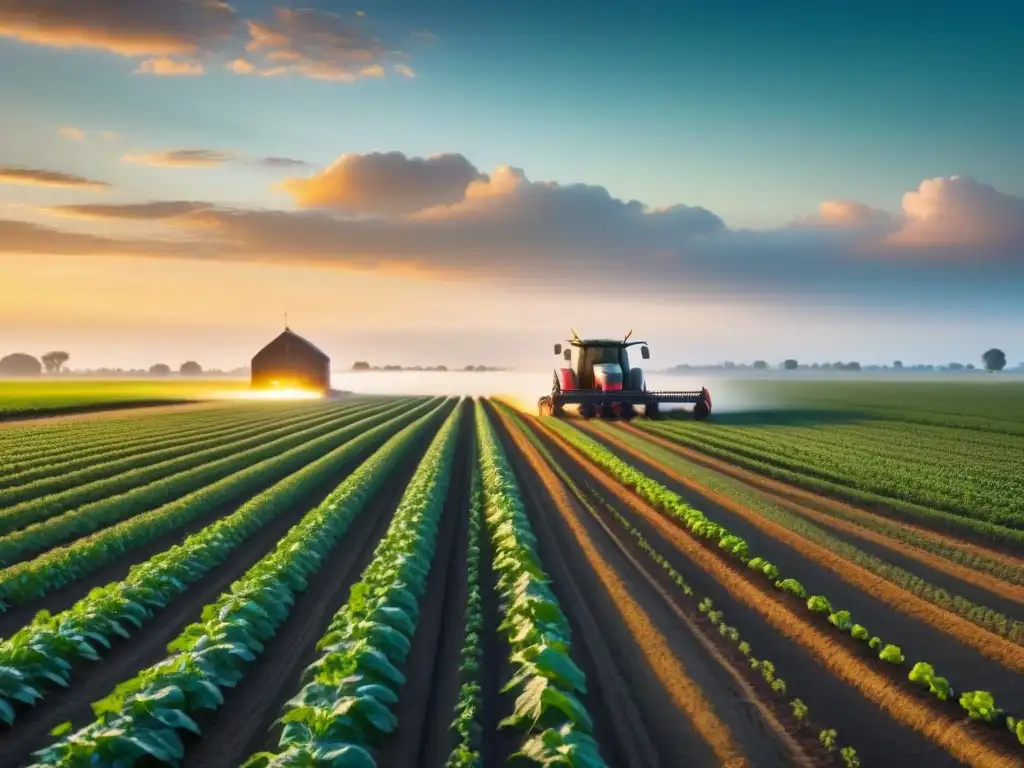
(940, 519)
(117, 507)
(39, 460)
(53, 505)
(469, 702)
(345, 706)
(980, 615)
(954, 550)
(765, 669)
(978, 704)
(547, 708)
(43, 653)
(158, 463)
(988, 491)
(31, 444)
(144, 715)
(61, 565)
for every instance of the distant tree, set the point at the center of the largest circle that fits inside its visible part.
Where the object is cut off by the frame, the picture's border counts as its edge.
(360, 365)
(480, 368)
(159, 369)
(994, 359)
(729, 365)
(897, 364)
(853, 366)
(190, 368)
(20, 364)
(760, 365)
(53, 361)
(955, 366)
(441, 368)
(469, 368)
(791, 364)
(970, 366)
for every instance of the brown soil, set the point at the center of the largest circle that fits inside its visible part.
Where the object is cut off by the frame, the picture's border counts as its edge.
(691, 712)
(825, 503)
(968, 655)
(880, 740)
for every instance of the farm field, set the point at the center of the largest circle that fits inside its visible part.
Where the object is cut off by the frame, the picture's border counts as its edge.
(26, 398)
(436, 581)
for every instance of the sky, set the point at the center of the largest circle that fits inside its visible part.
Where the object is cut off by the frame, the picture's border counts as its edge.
(458, 182)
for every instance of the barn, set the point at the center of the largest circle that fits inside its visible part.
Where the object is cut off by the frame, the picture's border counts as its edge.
(291, 361)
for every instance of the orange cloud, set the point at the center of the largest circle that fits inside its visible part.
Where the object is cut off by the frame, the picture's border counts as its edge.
(153, 27)
(958, 210)
(68, 132)
(181, 158)
(848, 214)
(384, 183)
(241, 66)
(38, 178)
(168, 67)
(316, 45)
(153, 211)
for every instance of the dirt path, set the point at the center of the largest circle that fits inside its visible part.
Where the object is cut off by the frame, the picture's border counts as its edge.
(147, 646)
(689, 710)
(817, 501)
(245, 723)
(880, 740)
(426, 703)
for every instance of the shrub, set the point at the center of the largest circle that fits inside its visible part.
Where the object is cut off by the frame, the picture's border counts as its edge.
(819, 604)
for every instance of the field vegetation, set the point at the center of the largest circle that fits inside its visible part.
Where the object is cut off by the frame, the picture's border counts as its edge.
(453, 583)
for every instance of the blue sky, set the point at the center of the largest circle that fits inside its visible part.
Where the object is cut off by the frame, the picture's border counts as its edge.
(756, 112)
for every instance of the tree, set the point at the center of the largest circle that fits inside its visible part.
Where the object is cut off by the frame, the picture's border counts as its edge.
(760, 365)
(994, 359)
(897, 364)
(191, 368)
(791, 365)
(54, 361)
(20, 364)
(955, 366)
(160, 369)
(360, 365)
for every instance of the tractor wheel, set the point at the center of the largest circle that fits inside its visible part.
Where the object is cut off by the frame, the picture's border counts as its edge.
(588, 410)
(651, 410)
(701, 410)
(607, 412)
(627, 411)
(544, 407)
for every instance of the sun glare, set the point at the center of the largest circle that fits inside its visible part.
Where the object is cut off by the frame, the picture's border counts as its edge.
(283, 393)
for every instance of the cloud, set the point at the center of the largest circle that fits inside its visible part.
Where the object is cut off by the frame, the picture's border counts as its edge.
(32, 176)
(168, 67)
(241, 66)
(281, 162)
(153, 211)
(23, 237)
(404, 70)
(68, 132)
(442, 217)
(150, 28)
(182, 158)
(111, 135)
(958, 211)
(845, 214)
(317, 45)
(176, 36)
(385, 183)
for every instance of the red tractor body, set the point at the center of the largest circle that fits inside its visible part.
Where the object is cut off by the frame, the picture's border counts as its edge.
(602, 383)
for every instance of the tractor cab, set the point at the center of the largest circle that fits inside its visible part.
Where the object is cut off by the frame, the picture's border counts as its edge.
(601, 382)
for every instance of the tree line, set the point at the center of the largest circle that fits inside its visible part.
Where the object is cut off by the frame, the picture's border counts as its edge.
(992, 360)
(22, 364)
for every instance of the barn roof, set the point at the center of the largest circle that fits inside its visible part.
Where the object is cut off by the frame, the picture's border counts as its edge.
(289, 335)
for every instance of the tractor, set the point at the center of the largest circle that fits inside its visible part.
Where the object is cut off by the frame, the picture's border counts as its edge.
(603, 384)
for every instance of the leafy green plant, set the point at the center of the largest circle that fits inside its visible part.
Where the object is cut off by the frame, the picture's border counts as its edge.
(859, 632)
(143, 715)
(849, 756)
(42, 653)
(980, 705)
(800, 710)
(841, 620)
(892, 654)
(827, 737)
(819, 604)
